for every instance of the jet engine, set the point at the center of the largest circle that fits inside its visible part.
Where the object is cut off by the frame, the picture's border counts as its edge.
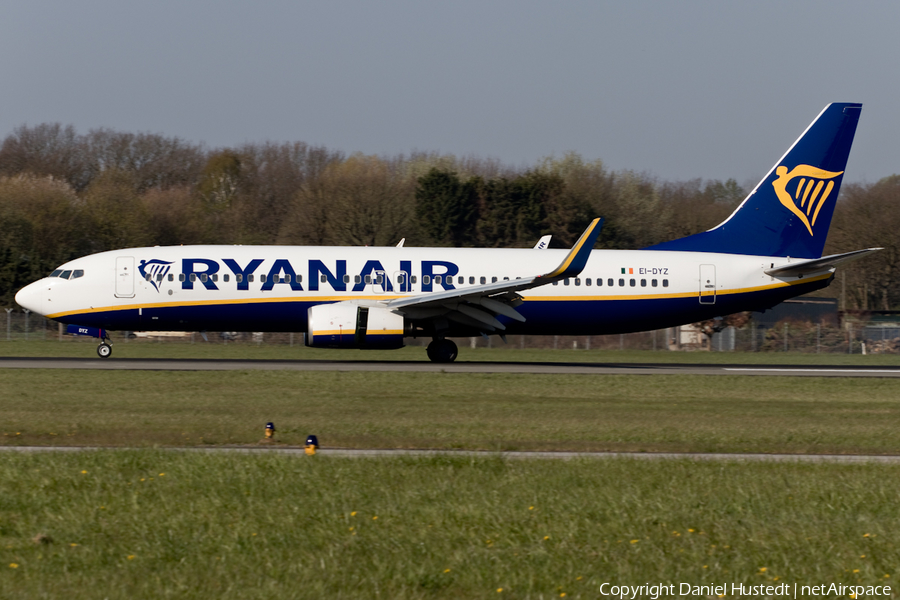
(347, 325)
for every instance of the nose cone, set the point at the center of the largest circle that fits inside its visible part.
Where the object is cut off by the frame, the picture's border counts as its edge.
(29, 297)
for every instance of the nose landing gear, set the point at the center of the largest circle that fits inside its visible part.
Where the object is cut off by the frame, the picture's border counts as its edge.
(104, 350)
(442, 351)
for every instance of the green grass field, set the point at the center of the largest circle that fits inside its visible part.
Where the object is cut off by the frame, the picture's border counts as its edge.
(154, 524)
(680, 413)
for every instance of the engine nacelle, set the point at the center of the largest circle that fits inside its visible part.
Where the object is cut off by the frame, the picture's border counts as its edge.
(346, 325)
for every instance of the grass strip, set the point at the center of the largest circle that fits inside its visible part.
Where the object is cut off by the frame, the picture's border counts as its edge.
(676, 413)
(142, 348)
(153, 524)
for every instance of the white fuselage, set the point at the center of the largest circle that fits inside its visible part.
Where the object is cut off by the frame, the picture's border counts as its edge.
(270, 288)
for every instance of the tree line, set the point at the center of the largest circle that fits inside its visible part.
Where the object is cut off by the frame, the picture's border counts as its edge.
(65, 194)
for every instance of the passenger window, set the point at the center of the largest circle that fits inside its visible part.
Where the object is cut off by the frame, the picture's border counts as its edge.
(621, 283)
(262, 278)
(555, 283)
(665, 283)
(193, 277)
(653, 282)
(643, 283)
(483, 280)
(148, 277)
(493, 280)
(204, 278)
(412, 278)
(471, 281)
(401, 279)
(225, 278)
(566, 281)
(158, 277)
(250, 277)
(65, 274)
(181, 277)
(599, 282)
(215, 277)
(631, 282)
(437, 279)
(346, 279)
(239, 277)
(322, 278)
(299, 278)
(379, 279)
(609, 282)
(368, 279)
(426, 279)
(357, 279)
(56, 273)
(460, 280)
(578, 281)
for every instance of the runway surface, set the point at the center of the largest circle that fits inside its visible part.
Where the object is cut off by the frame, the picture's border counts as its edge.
(363, 453)
(163, 364)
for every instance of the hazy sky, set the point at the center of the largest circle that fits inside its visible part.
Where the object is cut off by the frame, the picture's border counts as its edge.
(676, 89)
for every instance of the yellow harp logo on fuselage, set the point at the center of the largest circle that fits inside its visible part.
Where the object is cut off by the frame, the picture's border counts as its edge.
(808, 193)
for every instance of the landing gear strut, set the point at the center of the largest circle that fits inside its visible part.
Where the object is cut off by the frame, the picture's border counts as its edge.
(442, 351)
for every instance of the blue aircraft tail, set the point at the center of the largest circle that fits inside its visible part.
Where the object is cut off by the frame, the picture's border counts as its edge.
(788, 213)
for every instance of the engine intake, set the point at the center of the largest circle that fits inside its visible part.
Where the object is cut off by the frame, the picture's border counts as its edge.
(345, 325)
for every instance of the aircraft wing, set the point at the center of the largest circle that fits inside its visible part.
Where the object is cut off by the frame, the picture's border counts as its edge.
(817, 265)
(478, 306)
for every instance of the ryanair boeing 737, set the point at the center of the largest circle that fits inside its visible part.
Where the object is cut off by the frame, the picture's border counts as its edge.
(768, 250)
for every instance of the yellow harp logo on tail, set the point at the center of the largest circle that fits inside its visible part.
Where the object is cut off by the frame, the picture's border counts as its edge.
(807, 198)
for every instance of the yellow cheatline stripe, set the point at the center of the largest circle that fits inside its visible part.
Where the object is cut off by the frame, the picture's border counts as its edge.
(349, 331)
(220, 303)
(391, 297)
(574, 251)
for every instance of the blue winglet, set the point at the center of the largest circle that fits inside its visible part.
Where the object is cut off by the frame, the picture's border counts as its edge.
(578, 256)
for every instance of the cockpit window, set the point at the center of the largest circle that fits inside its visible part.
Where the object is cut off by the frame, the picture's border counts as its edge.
(77, 273)
(65, 274)
(56, 273)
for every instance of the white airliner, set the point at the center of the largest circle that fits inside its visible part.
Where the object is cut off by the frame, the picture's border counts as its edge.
(768, 250)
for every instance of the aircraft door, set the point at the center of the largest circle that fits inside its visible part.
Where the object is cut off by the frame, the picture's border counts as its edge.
(124, 277)
(707, 284)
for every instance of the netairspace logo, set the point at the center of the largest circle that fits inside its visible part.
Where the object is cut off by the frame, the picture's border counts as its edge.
(733, 590)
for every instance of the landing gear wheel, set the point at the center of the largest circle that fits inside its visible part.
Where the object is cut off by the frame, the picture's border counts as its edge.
(442, 351)
(104, 350)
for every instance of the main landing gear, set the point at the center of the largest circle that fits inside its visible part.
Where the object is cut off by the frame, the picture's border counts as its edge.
(442, 351)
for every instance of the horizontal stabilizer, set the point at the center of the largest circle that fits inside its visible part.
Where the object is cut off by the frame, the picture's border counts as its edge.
(817, 265)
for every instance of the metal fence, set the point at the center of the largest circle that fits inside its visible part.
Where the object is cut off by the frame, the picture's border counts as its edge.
(857, 337)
